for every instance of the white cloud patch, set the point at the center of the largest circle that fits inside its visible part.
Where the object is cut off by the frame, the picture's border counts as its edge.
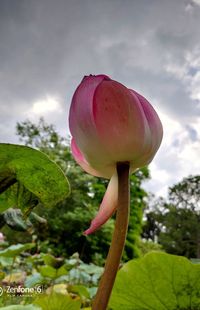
(46, 105)
(196, 2)
(178, 156)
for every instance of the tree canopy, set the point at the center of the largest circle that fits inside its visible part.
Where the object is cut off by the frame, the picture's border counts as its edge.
(176, 223)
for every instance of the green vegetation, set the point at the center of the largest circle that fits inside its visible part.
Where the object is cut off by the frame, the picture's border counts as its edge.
(27, 178)
(157, 281)
(68, 280)
(46, 250)
(27, 175)
(68, 220)
(176, 223)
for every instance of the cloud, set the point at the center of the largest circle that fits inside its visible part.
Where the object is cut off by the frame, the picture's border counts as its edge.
(178, 156)
(47, 47)
(46, 105)
(196, 2)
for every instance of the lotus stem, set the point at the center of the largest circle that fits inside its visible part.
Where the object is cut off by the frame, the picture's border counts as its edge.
(118, 240)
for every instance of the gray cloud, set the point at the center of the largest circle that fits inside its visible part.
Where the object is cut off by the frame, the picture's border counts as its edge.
(193, 134)
(46, 47)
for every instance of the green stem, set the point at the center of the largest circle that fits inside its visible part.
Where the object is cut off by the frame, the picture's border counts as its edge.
(118, 240)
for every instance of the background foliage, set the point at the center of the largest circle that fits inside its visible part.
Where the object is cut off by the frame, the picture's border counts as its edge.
(175, 223)
(68, 220)
(68, 264)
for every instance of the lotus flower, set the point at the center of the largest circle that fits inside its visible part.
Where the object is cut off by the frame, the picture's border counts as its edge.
(110, 123)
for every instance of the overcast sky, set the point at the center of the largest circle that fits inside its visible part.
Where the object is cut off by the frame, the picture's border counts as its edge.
(152, 46)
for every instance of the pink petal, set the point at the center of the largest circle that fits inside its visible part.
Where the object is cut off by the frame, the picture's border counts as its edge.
(80, 159)
(81, 120)
(155, 127)
(83, 127)
(120, 122)
(107, 207)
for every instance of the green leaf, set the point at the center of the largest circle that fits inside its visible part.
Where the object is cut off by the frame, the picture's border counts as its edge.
(92, 291)
(58, 302)
(62, 271)
(17, 249)
(34, 279)
(79, 276)
(6, 261)
(27, 175)
(53, 261)
(14, 277)
(2, 275)
(91, 269)
(51, 272)
(18, 307)
(59, 288)
(158, 281)
(81, 290)
(48, 271)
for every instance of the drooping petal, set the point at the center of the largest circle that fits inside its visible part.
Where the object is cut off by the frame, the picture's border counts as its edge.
(107, 207)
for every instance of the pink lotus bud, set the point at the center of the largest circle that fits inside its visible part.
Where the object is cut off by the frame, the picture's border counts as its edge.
(110, 123)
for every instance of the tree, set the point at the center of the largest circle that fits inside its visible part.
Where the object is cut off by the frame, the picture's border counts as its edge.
(68, 220)
(137, 206)
(177, 222)
(186, 194)
(152, 223)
